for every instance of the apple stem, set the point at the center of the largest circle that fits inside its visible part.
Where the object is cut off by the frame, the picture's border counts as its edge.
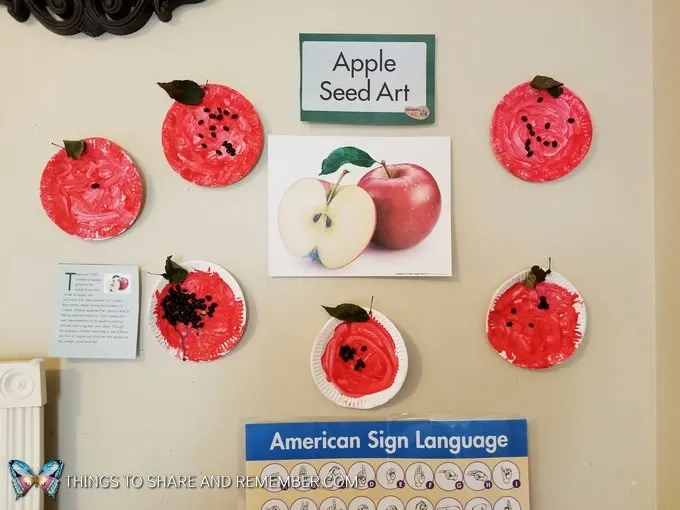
(334, 190)
(386, 170)
(57, 145)
(549, 264)
(370, 307)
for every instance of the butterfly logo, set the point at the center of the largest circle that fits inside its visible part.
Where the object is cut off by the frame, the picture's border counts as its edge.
(23, 478)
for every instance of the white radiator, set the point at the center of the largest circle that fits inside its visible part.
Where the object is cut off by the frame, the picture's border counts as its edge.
(22, 397)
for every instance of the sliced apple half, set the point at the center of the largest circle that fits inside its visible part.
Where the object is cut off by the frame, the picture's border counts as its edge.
(327, 223)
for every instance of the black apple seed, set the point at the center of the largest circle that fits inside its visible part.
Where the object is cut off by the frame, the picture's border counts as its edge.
(219, 117)
(529, 127)
(204, 146)
(570, 120)
(201, 122)
(530, 153)
(508, 324)
(212, 128)
(547, 125)
(234, 116)
(540, 100)
(546, 144)
(226, 128)
(213, 134)
(200, 135)
(212, 116)
(531, 324)
(94, 185)
(524, 119)
(206, 110)
(538, 138)
(218, 152)
(554, 144)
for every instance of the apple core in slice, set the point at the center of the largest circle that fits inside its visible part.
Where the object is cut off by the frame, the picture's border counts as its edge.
(332, 225)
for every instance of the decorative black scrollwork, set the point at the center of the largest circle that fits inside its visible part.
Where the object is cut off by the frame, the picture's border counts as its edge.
(93, 17)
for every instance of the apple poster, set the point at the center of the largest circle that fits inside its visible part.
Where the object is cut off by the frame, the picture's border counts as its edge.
(359, 206)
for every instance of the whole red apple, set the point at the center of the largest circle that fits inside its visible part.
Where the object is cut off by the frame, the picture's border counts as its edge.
(408, 203)
(123, 283)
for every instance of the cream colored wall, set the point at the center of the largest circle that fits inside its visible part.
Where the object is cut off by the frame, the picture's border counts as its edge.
(592, 423)
(667, 187)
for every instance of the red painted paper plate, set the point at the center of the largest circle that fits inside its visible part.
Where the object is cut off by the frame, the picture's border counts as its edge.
(360, 365)
(97, 195)
(216, 142)
(539, 137)
(201, 319)
(539, 326)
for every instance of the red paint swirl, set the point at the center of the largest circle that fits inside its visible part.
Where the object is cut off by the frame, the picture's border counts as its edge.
(534, 337)
(222, 331)
(370, 343)
(215, 143)
(540, 138)
(97, 196)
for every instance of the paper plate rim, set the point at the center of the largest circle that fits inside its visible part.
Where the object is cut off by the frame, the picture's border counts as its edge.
(372, 400)
(200, 265)
(552, 277)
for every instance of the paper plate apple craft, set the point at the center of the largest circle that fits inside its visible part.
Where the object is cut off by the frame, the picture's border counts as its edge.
(541, 130)
(359, 359)
(212, 135)
(394, 206)
(91, 189)
(537, 319)
(197, 311)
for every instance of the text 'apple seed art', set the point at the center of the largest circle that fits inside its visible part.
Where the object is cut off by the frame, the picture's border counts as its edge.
(392, 206)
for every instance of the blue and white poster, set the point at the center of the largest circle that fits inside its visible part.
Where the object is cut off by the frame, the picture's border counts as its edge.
(388, 465)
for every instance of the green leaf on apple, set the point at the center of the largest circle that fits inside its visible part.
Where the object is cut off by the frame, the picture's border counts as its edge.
(551, 86)
(343, 156)
(174, 273)
(535, 276)
(74, 148)
(184, 91)
(347, 312)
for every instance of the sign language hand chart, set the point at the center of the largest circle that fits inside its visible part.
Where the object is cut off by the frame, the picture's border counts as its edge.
(388, 465)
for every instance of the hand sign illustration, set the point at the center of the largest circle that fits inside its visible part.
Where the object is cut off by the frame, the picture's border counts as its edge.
(303, 471)
(481, 506)
(361, 476)
(333, 506)
(478, 475)
(449, 474)
(305, 504)
(419, 476)
(23, 478)
(508, 505)
(421, 505)
(391, 475)
(506, 472)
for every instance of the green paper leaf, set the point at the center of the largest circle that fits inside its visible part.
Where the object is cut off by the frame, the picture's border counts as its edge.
(551, 86)
(184, 91)
(343, 156)
(74, 148)
(545, 83)
(535, 276)
(174, 273)
(347, 312)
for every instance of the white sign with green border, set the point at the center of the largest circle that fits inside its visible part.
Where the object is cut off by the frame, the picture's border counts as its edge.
(367, 78)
